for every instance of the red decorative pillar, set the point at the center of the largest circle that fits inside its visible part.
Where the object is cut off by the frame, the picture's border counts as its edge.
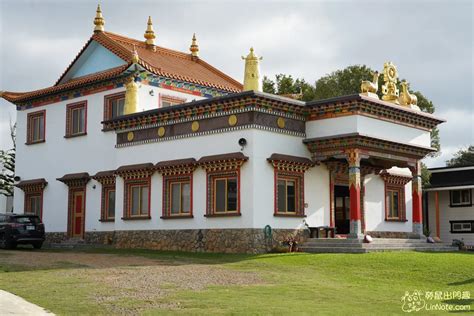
(416, 199)
(353, 158)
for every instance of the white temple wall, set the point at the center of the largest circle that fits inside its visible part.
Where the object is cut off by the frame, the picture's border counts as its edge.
(316, 183)
(368, 126)
(374, 206)
(58, 155)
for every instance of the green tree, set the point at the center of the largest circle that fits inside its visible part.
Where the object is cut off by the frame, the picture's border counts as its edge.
(286, 84)
(7, 166)
(463, 157)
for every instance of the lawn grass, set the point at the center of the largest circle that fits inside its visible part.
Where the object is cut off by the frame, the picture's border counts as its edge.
(298, 283)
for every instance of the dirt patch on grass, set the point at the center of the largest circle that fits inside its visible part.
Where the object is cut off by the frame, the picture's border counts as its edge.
(46, 260)
(129, 285)
(135, 289)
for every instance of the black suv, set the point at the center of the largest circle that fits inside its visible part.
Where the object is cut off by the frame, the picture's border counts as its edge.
(21, 229)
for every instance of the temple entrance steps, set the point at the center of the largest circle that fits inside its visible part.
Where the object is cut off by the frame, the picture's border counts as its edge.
(336, 245)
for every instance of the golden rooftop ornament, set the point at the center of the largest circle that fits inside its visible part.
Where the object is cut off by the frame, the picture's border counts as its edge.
(99, 21)
(150, 34)
(194, 48)
(369, 88)
(252, 72)
(135, 57)
(406, 98)
(389, 89)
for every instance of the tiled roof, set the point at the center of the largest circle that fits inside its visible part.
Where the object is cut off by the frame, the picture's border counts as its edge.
(163, 62)
(169, 63)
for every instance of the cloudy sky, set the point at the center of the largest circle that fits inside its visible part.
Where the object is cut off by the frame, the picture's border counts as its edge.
(431, 42)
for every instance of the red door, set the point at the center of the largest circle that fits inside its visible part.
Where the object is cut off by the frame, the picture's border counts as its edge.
(77, 213)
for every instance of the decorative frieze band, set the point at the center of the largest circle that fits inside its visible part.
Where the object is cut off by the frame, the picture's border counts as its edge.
(137, 171)
(34, 185)
(75, 179)
(395, 179)
(290, 163)
(176, 167)
(224, 162)
(105, 177)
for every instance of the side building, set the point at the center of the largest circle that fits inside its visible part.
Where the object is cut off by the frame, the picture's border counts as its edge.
(448, 204)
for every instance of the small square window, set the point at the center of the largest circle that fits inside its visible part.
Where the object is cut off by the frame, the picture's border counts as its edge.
(114, 106)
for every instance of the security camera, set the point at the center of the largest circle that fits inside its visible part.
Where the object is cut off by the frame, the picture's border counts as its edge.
(242, 143)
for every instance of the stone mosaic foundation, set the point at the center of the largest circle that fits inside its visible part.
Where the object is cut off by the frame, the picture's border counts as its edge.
(194, 240)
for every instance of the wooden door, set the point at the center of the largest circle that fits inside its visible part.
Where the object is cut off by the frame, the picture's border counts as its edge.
(77, 213)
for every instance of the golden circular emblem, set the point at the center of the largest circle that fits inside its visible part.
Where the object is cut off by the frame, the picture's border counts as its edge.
(161, 131)
(232, 120)
(130, 136)
(195, 126)
(281, 122)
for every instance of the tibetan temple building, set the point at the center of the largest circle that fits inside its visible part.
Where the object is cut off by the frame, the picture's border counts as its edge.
(138, 145)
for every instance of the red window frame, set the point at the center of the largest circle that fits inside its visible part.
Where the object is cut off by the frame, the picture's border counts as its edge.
(27, 205)
(127, 207)
(298, 178)
(173, 100)
(400, 189)
(212, 178)
(69, 114)
(107, 103)
(104, 214)
(168, 181)
(29, 129)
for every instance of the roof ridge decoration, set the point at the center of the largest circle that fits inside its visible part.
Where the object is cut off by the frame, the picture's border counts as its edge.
(99, 21)
(194, 48)
(150, 35)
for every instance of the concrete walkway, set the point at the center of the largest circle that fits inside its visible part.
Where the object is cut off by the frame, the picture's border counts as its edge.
(11, 304)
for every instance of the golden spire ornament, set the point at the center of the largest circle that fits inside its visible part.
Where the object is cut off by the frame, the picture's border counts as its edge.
(99, 21)
(194, 48)
(150, 34)
(252, 72)
(389, 89)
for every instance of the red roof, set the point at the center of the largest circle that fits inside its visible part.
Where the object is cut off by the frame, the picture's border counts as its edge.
(162, 61)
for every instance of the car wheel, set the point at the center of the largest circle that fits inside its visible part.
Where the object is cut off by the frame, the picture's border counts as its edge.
(38, 245)
(6, 243)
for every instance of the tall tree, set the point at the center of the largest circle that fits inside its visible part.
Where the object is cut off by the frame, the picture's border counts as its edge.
(7, 165)
(463, 157)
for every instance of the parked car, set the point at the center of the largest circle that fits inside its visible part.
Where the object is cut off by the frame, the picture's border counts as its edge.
(18, 229)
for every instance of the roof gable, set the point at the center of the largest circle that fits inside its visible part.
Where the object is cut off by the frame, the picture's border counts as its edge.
(93, 59)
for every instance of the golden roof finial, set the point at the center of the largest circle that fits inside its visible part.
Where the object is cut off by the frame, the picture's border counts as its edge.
(194, 48)
(99, 20)
(135, 57)
(150, 34)
(252, 72)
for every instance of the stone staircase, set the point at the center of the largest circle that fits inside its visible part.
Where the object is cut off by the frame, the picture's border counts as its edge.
(336, 245)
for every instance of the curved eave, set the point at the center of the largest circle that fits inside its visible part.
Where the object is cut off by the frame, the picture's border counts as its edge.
(21, 97)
